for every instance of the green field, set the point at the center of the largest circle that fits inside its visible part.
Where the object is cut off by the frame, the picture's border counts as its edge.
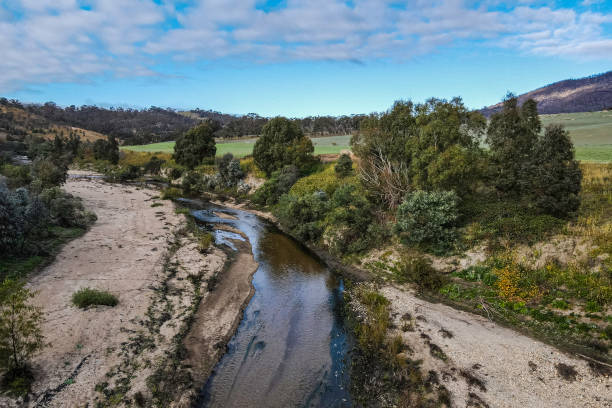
(323, 145)
(590, 131)
(586, 128)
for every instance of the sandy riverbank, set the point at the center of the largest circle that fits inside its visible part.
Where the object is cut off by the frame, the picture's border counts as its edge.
(144, 255)
(487, 365)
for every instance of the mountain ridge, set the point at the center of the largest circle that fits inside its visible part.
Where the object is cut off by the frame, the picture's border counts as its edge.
(588, 94)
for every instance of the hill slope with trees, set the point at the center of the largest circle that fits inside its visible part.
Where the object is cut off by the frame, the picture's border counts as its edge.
(590, 94)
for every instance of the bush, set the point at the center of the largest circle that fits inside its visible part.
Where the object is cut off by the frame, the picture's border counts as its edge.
(93, 297)
(325, 181)
(171, 193)
(65, 209)
(419, 271)
(153, 166)
(349, 222)
(428, 217)
(344, 166)
(48, 173)
(106, 150)
(230, 170)
(16, 176)
(303, 215)
(190, 182)
(279, 184)
(20, 334)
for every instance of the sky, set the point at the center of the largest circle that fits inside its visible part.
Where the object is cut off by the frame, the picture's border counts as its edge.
(295, 57)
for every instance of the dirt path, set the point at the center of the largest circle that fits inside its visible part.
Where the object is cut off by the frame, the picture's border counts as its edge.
(489, 365)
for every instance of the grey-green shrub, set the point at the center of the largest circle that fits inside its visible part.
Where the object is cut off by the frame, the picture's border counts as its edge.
(427, 217)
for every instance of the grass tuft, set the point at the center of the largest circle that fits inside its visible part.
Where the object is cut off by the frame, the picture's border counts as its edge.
(90, 297)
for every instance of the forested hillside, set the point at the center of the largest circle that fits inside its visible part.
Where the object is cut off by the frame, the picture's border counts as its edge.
(590, 94)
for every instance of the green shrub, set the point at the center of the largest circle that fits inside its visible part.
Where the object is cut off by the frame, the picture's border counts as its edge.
(91, 297)
(428, 217)
(229, 170)
(303, 215)
(16, 176)
(205, 240)
(279, 184)
(344, 166)
(171, 193)
(419, 271)
(325, 181)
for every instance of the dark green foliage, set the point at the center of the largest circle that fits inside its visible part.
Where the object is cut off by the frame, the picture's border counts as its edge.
(349, 221)
(50, 173)
(190, 182)
(16, 176)
(92, 297)
(195, 145)
(229, 170)
(106, 150)
(277, 185)
(419, 271)
(344, 166)
(20, 335)
(282, 143)
(429, 146)
(171, 193)
(153, 166)
(512, 135)
(428, 217)
(539, 168)
(303, 215)
(557, 175)
(65, 209)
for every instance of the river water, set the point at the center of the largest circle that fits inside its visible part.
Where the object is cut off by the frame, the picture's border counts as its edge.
(290, 349)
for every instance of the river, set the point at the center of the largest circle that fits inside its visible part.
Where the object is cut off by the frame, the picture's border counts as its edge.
(290, 349)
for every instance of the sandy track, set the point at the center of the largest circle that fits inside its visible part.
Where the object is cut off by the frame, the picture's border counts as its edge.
(121, 253)
(515, 370)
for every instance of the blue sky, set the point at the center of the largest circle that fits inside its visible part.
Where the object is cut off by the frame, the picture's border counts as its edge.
(294, 57)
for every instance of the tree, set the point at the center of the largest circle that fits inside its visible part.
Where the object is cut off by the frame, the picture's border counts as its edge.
(20, 333)
(106, 150)
(195, 145)
(344, 166)
(407, 148)
(512, 135)
(557, 175)
(282, 143)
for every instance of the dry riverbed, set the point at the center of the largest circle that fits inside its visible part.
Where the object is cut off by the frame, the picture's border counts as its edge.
(140, 250)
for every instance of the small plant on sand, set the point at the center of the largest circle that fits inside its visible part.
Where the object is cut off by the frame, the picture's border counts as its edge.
(171, 193)
(87, 297)
(20, 336)
(205, 240)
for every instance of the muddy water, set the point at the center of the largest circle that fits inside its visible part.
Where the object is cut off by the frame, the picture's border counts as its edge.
(290, 348)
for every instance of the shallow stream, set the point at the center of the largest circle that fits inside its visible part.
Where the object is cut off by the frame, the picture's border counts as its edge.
(290, 349)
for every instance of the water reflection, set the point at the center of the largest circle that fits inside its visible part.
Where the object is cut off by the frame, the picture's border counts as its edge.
(290, 348)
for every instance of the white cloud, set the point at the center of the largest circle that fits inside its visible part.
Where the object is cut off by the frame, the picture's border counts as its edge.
(57, 40)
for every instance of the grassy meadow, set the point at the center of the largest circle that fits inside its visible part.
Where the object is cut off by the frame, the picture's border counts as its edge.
(323, 145)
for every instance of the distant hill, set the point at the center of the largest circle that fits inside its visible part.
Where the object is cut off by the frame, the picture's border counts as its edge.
(588, 94)
(15, 121)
